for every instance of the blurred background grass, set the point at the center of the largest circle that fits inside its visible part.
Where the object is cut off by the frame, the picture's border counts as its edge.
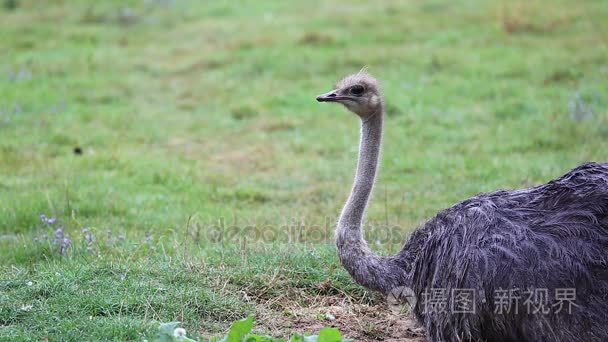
(150, 122)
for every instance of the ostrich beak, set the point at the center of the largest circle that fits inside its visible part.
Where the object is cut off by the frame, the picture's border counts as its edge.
(331, 96)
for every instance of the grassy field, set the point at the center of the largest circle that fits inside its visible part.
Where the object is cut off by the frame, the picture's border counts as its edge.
(179, 145)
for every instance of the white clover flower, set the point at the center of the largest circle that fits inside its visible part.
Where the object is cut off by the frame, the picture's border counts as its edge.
(179, 332)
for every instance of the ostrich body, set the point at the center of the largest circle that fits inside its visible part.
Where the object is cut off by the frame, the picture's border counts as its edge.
(530, 243)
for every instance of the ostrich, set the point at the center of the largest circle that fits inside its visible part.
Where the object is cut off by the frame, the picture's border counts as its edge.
(522, 250)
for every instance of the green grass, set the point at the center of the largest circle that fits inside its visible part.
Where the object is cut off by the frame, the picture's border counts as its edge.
(197, 118)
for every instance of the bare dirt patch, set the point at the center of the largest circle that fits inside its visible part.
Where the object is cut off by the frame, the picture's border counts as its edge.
(362, 322)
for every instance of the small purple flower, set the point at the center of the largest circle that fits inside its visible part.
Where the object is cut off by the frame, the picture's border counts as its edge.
(61, 240)
(65, 244)
(47, 220)
(59, 234)
(88, 236)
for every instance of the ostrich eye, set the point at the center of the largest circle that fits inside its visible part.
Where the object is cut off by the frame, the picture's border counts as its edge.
(357, 90)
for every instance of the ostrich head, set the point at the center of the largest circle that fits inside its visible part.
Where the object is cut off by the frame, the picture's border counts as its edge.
(360, 93)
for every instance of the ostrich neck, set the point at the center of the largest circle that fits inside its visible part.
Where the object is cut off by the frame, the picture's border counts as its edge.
(351, 219)
(375, 272)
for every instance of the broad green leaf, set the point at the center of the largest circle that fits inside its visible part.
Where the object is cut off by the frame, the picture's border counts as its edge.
(239, 329)
(329, 335)
(296, 338)
(259, 338)
(184, 339)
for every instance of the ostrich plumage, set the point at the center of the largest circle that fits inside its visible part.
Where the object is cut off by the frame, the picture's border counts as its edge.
(542, 240)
